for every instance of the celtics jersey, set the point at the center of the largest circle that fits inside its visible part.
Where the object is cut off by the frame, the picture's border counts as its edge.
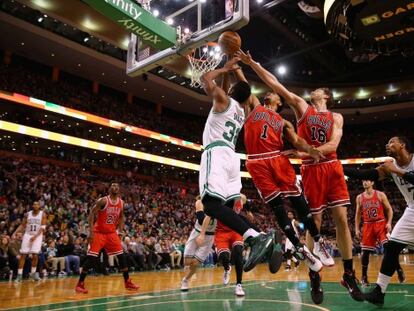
(406, 189)
(224, 127)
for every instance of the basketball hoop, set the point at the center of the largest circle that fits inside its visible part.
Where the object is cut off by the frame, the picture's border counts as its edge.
(204, 59)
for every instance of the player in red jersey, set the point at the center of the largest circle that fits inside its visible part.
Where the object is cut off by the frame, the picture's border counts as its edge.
(377, 216)
(275, 177)
(109, 213)
(324, 182)
(229, 244)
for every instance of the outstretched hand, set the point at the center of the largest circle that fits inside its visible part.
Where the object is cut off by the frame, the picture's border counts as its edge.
(246, 58)
(231, 64)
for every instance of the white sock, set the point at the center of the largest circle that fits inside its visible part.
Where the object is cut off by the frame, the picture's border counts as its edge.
(33, 269)
(20, 271)
(250, 233)
(288, 262)
(294, 259)
(383, 281)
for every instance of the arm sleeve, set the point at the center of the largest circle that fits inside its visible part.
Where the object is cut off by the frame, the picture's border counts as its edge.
(409, 177)
(365, 174)
(200, 217)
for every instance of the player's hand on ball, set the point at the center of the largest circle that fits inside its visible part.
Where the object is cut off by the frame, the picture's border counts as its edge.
(246, 58)
(200, 240)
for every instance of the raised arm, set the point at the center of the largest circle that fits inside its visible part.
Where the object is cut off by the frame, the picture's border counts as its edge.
(358, 216)
(299, 143)
(298, 104)
(336, 136)
(389, 213)
(219, 96)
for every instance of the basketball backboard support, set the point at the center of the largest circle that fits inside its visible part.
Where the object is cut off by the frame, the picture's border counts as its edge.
(195, 25)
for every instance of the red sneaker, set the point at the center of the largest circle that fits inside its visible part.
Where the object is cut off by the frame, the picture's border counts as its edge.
(131, 286)
(80, 288)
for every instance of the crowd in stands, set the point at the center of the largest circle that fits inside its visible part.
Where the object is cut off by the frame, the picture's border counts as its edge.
(159, 216)
(76, 92)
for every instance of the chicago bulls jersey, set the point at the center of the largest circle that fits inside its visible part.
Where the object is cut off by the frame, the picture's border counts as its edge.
(263, 131)
(316, 128)
(372, 208)
(108, 217)
(238, 206)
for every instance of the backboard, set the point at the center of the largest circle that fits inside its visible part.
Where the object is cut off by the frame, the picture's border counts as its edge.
(196, 22)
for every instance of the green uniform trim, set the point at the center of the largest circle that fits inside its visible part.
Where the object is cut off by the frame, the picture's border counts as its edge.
(218, 143)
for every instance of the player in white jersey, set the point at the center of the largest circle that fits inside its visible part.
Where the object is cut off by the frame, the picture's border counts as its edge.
(401, 169)
(34, 224)
(289, 247)
(199, 244)
(219, 179)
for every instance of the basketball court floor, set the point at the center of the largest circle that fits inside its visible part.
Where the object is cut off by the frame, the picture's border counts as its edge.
(160, 291)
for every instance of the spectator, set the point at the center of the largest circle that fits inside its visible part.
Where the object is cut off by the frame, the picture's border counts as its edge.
(175, 255)
(52, 261)
(66, 249)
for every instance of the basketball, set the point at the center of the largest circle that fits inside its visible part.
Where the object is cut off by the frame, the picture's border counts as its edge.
(229, 42)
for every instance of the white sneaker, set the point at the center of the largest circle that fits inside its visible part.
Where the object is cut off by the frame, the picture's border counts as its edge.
(226, 276)
(35, 276)
(311, 261)
(19, 279)
(319, 250)
(62, 274)
(184, 285)
(239, 290)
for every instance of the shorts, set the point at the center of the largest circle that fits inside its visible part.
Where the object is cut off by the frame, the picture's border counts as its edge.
(373, 233)
(324, 185)
(403, 231)
(28, 247)
(273, 177)
(220, 173)
(226, 240)
(288, 245)
(109, 241)
(192, 250)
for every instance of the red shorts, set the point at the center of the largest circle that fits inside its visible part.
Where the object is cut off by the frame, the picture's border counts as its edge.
(324, 185)
(109, 241)
(226, 240)
(373, 233)
(273, 177)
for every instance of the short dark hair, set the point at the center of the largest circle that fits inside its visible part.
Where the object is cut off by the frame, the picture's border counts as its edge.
(330, 101)
(240, 91)
(404, 140)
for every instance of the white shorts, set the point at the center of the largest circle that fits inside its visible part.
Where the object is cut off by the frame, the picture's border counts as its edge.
(31, 247)
(403, 231)
(193, 251)
(220, 173)
(288, 245)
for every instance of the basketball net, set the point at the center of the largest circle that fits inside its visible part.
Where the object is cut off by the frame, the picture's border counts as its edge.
(204, 59)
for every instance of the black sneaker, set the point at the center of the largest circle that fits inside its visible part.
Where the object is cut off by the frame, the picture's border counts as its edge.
(401, 275)
(376, 296)
(349, 281)
(364, 281)
(316, 288)
(259, 247)
(276, 256)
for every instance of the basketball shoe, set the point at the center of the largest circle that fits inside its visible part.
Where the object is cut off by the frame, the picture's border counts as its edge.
(259, 247)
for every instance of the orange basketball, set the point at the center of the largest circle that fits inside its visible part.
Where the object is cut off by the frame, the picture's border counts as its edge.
(229, 42)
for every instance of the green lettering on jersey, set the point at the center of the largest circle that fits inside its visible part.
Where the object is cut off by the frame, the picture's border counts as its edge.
(233, 133)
